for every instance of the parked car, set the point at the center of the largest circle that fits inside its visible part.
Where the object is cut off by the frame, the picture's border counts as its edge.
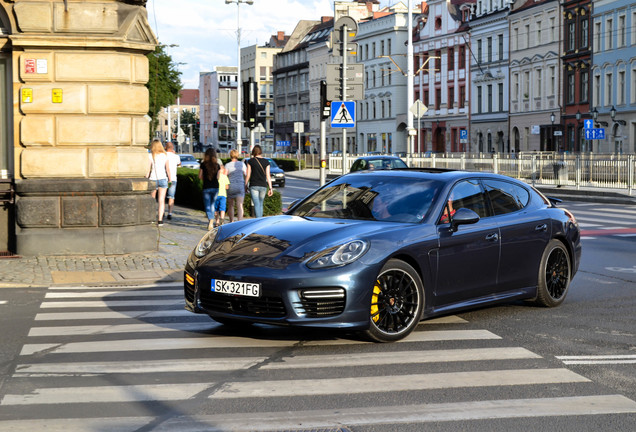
(378, 251)
(189, 161)
(382, 162)
(277, 174)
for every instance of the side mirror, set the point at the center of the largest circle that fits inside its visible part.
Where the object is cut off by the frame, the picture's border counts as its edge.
(463, 216)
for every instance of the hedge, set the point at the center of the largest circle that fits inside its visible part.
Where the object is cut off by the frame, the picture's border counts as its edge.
(189, 194)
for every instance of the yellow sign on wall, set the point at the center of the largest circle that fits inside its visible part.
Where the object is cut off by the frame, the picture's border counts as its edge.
(56, 95)
(27, 95)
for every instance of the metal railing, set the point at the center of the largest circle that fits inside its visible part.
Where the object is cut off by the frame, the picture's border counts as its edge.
(575, 170)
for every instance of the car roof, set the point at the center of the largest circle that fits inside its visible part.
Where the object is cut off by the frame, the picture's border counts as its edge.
(442, 174)
(378, 157)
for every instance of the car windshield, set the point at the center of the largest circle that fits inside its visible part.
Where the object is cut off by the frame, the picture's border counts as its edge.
(187, 158)
(371, 197)
(272, 163)
(380, 163)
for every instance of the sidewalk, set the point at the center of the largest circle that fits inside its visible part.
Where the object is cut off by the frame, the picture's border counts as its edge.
(176, 240)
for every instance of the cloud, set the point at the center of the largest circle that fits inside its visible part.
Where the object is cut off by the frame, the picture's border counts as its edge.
(205, 30)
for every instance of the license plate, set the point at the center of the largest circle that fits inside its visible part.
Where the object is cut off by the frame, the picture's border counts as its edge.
(236, 288)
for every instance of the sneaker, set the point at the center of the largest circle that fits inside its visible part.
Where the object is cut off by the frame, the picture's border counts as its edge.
(160, 223)
(169, 216)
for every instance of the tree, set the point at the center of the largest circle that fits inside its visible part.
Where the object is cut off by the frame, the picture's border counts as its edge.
(190, 118)
(164, 83)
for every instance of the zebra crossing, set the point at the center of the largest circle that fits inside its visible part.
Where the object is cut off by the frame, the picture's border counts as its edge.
(125, 359)
(596, 220)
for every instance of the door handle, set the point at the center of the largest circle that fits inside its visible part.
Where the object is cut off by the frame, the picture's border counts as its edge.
(492, 237)
(543, 227)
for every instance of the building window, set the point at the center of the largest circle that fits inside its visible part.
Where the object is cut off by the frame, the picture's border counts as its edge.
(609, 33)
(501, 97)
(451, 59)
(500, 55)
(571, 36)
(585, 85)
(597, 36)
(515, 87)
(596, 94)
(438, 98)
(382, 47)
(451, 97)
(438, 23)
(489, 49)
(382, 109)
(585, 33)
(539, 32)
(373, 49)
(389, 113)
(554, 30)
(622, 32)
(633, 86)
(526, 85)
(462, 57)
(479, 52)
(552, 81)
(479, 99)
(527, 30)
(489, 98)
(388, 46)
(621, 88)
(570, 89)
(515, 34)
(608, 89)
(373, 83)
(462, 96)
(539, 83)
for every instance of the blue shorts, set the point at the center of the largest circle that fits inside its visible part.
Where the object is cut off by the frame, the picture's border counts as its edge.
(220, 205)
(161, 183)
(172, 190)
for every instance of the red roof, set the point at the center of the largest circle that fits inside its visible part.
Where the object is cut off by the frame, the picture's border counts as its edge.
(189, 97)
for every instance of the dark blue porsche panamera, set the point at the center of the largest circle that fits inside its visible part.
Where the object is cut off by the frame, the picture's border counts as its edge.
(379, 251)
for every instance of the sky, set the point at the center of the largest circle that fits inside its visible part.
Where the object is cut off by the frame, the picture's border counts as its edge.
(205, 30)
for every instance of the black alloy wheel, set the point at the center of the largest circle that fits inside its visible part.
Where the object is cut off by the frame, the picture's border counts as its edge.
(554, 275)
(396, 303)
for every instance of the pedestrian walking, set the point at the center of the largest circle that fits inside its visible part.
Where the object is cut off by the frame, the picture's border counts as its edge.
(209, 174)
(236, 192)
(258, 179)
(174, 161)
(220, 205)
(158, 171)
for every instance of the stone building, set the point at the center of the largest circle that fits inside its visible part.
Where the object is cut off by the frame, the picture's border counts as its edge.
(73, 116)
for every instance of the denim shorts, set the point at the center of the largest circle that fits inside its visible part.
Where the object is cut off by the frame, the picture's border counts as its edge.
(161, 183)
(172, 190)
(220, 204)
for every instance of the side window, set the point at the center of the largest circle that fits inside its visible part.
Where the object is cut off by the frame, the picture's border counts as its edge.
(506, 197)
(469, 194)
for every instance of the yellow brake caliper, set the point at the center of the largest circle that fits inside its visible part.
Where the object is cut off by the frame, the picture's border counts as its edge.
(374, 301)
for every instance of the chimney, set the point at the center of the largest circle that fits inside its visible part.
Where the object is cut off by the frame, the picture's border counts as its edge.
(280, 35)
(325, 19)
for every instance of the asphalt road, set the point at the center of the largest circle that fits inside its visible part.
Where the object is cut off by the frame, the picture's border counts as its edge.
(131, 359)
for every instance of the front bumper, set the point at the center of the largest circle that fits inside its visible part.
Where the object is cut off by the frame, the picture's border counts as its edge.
(333, 298)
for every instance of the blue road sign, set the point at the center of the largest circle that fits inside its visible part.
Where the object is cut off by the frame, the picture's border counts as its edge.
(463, 134)
(588, 124)
(596, 133)
(343, 114)
(283, 144)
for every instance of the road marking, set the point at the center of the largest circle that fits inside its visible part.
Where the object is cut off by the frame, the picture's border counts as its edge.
(110, 294)
(57, 316)
(289, 388)
(332, 419)
(598, 359)
(122, 328)
(388, 383)
(287, 362)
(117, 287)
(3, 302)
(208, 341)
(109, 303)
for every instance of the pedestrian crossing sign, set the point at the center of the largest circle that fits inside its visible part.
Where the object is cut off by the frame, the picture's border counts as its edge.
(343, 114)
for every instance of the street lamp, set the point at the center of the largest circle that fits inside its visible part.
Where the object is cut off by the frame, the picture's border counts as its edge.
(239, 115)
(613, 113)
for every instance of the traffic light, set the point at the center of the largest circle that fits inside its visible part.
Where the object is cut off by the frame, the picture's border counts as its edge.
(216, 124)
(249, 103)
(325, 105)
(261, 115)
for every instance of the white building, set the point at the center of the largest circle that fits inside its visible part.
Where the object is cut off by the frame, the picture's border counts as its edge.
(381, 116)
(489, 77)
(218, 89)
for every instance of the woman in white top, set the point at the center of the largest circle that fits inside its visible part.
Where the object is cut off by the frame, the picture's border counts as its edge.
(159, 172)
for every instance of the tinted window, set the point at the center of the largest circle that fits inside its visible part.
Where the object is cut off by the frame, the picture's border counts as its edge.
(506, 197)
(370, 197)
(469, 194)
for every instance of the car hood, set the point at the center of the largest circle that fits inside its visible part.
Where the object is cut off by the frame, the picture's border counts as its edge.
(278, 241)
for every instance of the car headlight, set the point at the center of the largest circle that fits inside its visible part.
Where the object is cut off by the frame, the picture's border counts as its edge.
(205, 244)
(339, 256)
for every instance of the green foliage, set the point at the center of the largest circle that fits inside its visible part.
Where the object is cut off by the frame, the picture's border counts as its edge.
(190, 118)
(189, 194)
(289, 164)
(164, 83)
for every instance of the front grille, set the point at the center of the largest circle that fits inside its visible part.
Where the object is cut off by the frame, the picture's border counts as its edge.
(265, 307)
(322, 308)
(188, 289)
